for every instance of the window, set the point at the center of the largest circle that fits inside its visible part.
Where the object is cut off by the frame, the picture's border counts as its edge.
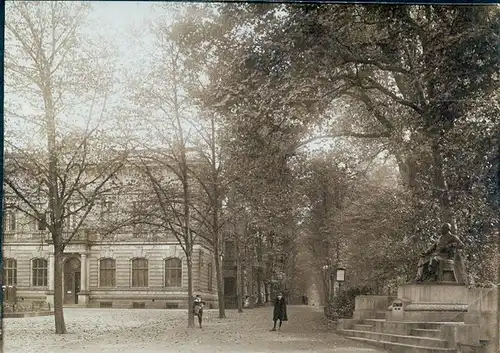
(10, 221)
(71, 216)
(9, 272)
(230, 250)
(107, 272)
(42, 223)
(39, 273)
(173, 272)
(210, 277)
(139, 272)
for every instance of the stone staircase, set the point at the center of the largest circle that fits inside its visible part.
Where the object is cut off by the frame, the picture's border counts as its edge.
(426, 318)
(400, 336)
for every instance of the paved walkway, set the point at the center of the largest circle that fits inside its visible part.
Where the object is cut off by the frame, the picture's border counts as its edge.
(152, 331)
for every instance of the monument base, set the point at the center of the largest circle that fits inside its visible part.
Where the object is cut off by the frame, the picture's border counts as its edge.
(425, 317)
(430, 302)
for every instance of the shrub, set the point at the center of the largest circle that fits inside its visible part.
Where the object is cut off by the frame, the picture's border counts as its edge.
(342, 305)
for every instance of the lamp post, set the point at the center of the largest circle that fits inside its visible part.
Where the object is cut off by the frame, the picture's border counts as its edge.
(327, 282)
(340, 276)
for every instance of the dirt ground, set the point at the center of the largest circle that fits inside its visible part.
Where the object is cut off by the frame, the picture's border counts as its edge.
(143, 330)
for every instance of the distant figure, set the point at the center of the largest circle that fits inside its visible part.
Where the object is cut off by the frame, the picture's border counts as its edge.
(305, 299)
(198, 305)
(279, 312)
(246, 301)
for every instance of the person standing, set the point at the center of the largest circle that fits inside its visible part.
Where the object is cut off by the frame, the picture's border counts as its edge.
(198, 305)
(279, 312)
(305, 299)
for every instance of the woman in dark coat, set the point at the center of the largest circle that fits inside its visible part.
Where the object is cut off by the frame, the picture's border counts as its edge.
(279, 312)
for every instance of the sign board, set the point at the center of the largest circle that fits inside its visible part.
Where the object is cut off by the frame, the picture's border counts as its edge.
(340, 275)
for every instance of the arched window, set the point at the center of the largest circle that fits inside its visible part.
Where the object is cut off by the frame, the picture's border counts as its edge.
(9, 272)
(139, 272)
(39, 272)
(107, 272)
(173, 272)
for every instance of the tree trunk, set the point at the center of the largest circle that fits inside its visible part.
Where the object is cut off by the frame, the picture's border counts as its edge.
(259, 286)
(259, 270)
(190, 291)
(250, 278)
(442, 187)
(58, 290)
(497, 338)
(498, 252)
(220, 281)
(239, 294)
(327, 288)
(217, 239)
(407, 170)
(56, 210)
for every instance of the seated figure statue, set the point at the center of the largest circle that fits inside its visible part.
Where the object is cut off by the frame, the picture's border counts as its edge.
(446, 248)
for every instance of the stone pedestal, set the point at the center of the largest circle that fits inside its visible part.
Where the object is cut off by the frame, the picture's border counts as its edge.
(464, 318)
(83, 298)
(430, 302)
(434, 292)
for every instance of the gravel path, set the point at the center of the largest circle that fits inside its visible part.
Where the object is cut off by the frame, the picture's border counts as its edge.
(152, 331)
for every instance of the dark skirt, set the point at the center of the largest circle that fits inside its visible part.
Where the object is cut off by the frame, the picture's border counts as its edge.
(279, 312)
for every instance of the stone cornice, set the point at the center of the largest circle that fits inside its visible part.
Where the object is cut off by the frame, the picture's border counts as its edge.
(437, 307)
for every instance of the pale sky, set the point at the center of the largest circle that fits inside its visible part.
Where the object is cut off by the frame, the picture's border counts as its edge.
(119, 19)
(127, 23)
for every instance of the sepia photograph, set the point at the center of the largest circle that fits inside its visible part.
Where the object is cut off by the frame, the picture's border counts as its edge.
(250, 177)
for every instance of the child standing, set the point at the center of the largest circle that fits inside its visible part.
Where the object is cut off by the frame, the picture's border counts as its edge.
(279, 312)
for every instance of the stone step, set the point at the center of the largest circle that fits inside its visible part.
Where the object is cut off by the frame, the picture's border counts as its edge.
(405, 327)
(403, 339)
(363, 327)
(425, 332)
(403, 348)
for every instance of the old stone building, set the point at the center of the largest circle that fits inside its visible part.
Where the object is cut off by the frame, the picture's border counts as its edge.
(99, 274)
(107, 274)
(133, 266)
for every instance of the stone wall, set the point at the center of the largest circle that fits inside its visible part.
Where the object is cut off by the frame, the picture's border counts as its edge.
(483, 311)
(157, 299)
(367, 306)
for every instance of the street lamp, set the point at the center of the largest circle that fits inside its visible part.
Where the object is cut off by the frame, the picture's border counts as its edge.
(328, 280)
(340, 275)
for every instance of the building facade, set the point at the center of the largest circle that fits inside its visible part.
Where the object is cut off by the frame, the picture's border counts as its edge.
(132, 266)
(126, 274)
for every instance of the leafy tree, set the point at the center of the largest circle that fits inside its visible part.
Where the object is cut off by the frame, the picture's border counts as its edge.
(410, 77)
(55, 71)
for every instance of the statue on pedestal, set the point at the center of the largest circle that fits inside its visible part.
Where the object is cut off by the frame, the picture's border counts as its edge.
(443, 261)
